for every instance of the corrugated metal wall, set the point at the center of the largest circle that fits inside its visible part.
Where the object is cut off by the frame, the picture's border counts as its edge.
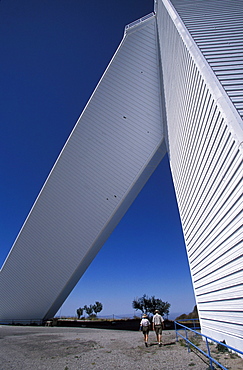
(204, 145)
(117, 143)
(114, 148)
(217, 28)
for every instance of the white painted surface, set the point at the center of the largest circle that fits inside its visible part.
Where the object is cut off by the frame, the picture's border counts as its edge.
(204, 143)
(114, 148)
(117, 143)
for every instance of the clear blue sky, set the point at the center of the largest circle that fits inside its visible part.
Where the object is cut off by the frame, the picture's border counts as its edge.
(53, 53)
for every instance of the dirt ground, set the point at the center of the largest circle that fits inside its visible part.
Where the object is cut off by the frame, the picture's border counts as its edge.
(60, 348)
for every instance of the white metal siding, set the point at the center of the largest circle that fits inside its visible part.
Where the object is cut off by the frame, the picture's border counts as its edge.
(114, 148)
(217, 28)
(117, 143)
(204, 144)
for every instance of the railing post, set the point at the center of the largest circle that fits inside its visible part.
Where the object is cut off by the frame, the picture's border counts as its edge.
(176, 331)
(205, 352)
(209, 355)
(188, 345)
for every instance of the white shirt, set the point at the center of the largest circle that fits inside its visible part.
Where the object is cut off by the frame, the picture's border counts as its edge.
(158, 319)
(144, 322)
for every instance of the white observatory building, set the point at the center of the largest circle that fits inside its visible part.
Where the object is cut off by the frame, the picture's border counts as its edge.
(175, 85)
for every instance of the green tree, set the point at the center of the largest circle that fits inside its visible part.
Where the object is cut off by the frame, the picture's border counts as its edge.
(79, 312)
(97, 307)
(141, 304)
(88, 309)
(158, 304)
(149, 305)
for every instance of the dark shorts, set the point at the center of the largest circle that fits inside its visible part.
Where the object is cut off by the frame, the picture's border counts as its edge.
(145, 329)
(158, 329)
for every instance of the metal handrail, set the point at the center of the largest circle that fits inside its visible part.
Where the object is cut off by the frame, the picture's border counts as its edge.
(194, 321)
(140, 20)
(207, 340)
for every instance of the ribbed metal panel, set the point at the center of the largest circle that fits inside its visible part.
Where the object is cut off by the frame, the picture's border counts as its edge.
(114, 148)
(217, 28)
(117, 143)
(204, 144)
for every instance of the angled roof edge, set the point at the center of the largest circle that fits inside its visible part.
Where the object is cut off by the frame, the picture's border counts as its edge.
(139, 22)
(221, 97)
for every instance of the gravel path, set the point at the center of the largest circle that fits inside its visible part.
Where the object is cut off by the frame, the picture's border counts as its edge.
(55, 348)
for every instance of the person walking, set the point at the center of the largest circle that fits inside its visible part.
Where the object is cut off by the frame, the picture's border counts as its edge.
(158, 325)
(145, 326)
